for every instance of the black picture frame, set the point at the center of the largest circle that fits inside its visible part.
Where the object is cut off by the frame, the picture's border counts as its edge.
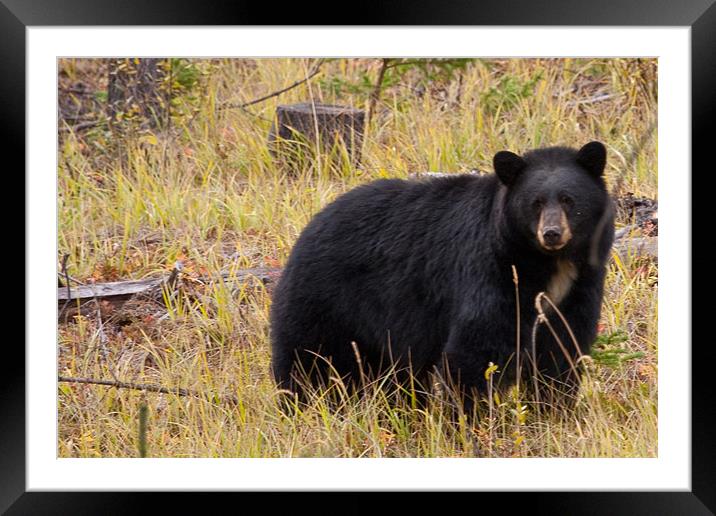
(700, 15)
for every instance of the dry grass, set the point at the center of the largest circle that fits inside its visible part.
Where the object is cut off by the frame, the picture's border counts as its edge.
(209, 194)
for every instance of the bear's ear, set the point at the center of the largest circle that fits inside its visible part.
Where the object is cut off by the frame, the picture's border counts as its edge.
(508, 166)
(593, 157)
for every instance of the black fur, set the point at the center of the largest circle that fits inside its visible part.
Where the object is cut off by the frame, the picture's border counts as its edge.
(415, 272)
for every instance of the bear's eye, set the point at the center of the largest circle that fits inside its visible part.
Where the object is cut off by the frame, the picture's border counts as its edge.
(538, 204)
(566, 201)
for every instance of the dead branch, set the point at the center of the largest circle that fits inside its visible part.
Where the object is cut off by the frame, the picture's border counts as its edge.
(80, 127)
(314, 72)
(591, 100)
(178, 391)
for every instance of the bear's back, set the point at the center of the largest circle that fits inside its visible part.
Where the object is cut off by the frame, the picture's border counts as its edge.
(389, 218)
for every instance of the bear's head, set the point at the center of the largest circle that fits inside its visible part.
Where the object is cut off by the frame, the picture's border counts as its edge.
(554, 197)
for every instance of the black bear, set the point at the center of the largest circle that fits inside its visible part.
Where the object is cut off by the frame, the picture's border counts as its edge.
(416, 275)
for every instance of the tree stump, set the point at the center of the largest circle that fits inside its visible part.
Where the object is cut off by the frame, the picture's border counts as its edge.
(302, 130)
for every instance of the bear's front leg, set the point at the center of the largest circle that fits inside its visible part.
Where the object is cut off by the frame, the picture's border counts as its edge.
(473, 346)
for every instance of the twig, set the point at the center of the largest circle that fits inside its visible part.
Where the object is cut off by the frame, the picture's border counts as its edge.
(516, 281)
(316, 69)
(591, 100)
(178, 391)
(543, 319)
(360, 364)
(538, 303)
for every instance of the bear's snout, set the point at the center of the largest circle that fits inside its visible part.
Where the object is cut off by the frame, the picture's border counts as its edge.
(553, 231)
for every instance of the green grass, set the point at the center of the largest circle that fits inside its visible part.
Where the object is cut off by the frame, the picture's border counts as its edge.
(208, 193)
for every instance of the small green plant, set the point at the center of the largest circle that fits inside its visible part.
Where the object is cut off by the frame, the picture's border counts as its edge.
(607, 351)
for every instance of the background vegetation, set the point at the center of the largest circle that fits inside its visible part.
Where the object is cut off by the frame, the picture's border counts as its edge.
(203, 189)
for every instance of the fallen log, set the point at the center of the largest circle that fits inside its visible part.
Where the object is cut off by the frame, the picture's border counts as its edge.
(118, 290)
(103, 290)
(432, 175)
(637, 246)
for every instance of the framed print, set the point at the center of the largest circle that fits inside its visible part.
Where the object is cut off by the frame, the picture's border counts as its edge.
(185, 216)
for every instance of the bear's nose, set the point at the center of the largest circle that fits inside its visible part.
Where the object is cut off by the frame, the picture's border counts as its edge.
(552, 235)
